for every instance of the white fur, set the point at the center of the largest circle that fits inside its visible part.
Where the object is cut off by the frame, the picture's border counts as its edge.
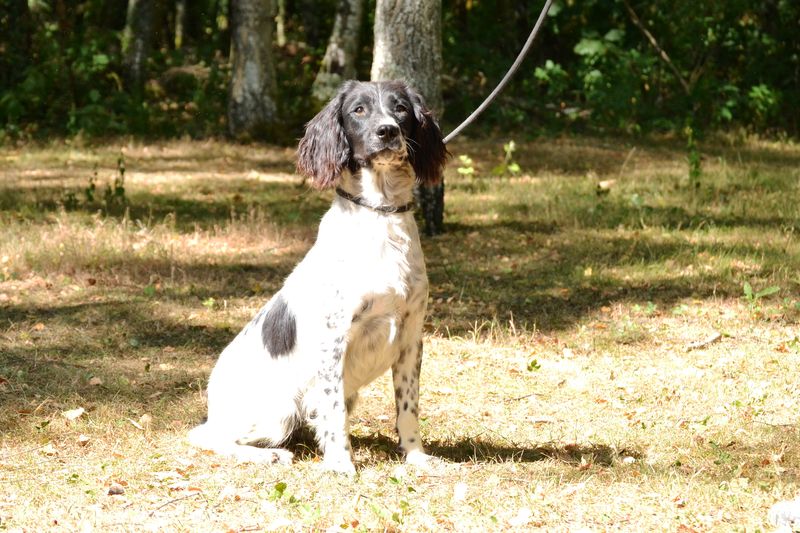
(361, 290)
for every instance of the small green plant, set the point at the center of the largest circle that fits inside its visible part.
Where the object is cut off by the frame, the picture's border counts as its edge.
(90, 189)
(693, 158)
(508, 166)
(534, 365)
(648, 310)
(753, 297)
(466, 167)
(114, 196)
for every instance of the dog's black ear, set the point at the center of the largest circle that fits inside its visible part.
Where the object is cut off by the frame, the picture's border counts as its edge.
(428, 153)
(323, 152)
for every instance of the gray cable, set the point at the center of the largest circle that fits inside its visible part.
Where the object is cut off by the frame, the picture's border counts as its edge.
(506, 78)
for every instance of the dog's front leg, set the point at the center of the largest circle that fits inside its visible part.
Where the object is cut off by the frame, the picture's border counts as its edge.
(405, 375)
(327, 412)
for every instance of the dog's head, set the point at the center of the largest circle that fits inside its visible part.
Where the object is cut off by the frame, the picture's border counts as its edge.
(371, 124)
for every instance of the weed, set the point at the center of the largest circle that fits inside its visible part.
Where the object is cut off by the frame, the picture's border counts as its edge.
(753, 298)
(508, 166)
(694, 160)
(465, 168)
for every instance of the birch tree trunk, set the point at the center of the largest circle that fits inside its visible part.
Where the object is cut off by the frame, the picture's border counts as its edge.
(408, 46)
(251, 97)
(136, 42)
(339, 63)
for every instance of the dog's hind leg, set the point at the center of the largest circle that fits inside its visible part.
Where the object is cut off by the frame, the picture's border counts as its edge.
(242, 449)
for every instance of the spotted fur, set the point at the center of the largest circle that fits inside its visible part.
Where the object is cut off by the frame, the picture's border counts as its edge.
(354, 306)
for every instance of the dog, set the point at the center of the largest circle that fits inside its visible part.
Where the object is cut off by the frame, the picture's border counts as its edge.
(354, 306)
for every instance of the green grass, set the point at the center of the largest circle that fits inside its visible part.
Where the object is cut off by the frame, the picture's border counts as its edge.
(592, 359)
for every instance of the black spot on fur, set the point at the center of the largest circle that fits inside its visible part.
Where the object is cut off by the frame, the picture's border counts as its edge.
(405, 406)
(279, 330)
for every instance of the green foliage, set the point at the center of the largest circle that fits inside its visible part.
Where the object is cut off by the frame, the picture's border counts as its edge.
(595, 68)
(62, 70)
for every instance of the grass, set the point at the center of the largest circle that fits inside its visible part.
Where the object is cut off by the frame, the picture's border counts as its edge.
(593, 361)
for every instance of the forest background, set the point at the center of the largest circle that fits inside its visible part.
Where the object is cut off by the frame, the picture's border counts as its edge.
(599, 66)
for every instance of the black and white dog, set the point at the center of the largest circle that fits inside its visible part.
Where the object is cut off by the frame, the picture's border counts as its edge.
(354, 306)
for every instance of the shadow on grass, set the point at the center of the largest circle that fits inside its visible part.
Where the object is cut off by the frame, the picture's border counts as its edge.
(470, 450)
(284, 203)
(554, 279)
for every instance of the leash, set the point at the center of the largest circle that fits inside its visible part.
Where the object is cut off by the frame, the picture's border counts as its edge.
(511, 71)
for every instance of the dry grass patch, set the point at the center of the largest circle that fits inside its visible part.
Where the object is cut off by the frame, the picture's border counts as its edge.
(593, 361)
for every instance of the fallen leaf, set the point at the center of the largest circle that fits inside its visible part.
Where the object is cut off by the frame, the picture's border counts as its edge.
(145, 420)
(83, 440)
(135, 424)
(48, 449)
(95, 381)
(73, 414)
(116, 489)
(38, 326)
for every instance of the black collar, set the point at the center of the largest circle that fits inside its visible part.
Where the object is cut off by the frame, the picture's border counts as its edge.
(381, 208)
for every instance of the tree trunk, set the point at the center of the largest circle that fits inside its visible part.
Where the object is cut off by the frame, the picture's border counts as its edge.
(408, 46)
(15, 41)
(251, 98)
(339, 63)
(137, 41)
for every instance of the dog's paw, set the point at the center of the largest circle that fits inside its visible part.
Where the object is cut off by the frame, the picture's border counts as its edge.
(340, 465)
(283, 457)
(420, 458)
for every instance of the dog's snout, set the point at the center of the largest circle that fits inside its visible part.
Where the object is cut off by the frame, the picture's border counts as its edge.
(387, 132)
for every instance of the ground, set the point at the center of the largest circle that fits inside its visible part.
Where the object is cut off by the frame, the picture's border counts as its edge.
(610, 345)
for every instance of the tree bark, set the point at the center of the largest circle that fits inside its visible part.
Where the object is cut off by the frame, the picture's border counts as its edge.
(339, 63)
(251, 99)
(408, 46)
(137, 41)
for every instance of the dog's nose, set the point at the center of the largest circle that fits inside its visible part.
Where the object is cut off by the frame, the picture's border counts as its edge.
(387, 132)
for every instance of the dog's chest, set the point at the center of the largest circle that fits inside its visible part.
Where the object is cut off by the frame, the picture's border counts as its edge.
(388, 316)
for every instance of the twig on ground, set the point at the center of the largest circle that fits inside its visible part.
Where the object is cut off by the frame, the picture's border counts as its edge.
(184, 497)
(714, 337)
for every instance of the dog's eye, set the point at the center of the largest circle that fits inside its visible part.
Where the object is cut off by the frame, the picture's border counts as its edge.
(400, 108)
(358, 111)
